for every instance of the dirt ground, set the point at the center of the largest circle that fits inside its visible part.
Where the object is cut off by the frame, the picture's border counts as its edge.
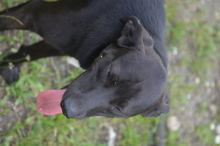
(184, 119)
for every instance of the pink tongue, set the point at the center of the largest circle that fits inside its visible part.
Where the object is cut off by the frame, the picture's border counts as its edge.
(48, 102)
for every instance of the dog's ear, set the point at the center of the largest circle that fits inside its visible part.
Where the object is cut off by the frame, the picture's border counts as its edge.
(163, 108)
(134, 35)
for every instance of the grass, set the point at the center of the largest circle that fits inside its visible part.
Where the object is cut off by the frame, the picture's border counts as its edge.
(10, 17)
(199, 40)
(194, 37)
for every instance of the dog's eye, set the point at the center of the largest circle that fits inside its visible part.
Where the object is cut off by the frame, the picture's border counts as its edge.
(123, 104)
(101, 55)
(118, 109)
(113, 78)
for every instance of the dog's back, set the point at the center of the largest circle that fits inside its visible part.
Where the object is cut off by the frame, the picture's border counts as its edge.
(84, 28)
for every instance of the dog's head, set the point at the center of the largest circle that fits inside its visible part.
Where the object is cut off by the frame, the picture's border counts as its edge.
(128, 78)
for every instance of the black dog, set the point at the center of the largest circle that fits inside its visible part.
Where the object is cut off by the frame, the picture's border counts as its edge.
(120, 43)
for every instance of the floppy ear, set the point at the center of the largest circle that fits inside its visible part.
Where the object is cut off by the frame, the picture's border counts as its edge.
(163, 108)
(134, 35)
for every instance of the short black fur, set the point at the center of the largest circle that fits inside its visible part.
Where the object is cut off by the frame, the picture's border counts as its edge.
(129, 36)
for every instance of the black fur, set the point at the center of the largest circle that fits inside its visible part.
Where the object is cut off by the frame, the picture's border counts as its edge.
(129, 35)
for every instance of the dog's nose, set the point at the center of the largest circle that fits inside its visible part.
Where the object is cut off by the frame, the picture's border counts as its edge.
(66, 104)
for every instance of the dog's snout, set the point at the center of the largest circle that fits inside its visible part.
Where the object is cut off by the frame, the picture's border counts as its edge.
(63, 107)
(66, 104)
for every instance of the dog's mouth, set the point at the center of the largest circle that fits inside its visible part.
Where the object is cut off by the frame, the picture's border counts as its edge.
(48, 102)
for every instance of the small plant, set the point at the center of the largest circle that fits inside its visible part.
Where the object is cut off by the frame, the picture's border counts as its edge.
(11, 17)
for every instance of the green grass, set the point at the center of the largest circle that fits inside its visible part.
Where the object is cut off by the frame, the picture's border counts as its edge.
(200, 41)
(193, 37)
